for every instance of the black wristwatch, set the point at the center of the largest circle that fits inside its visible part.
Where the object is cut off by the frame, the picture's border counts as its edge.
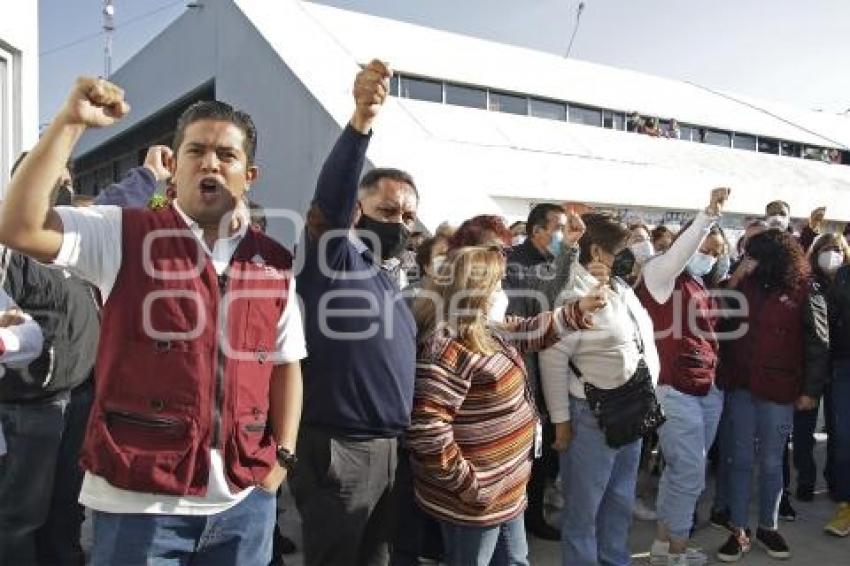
(286, 459)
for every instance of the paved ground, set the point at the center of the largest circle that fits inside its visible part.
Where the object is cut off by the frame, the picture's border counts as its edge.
(809, 545)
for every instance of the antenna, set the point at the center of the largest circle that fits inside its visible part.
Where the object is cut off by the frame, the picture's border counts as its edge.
(108, 28)
(579, 10)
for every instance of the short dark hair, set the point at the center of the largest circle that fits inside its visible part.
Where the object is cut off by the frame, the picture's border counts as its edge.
(425, 252)
(781, 203)
(539, 216)
(660, 231)
(603, 229)
(370, 180)
(220, 112)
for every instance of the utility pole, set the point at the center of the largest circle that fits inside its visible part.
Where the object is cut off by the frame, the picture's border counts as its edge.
(579, 10)
(108, 28)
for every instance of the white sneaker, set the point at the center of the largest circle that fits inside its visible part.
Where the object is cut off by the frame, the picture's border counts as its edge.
(643, 512)
(659, 555)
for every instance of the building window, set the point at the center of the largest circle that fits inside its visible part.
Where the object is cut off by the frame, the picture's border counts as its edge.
(743, 141)
(548, 109)
(585, 115)
(395, 85)
(510, 103)
(768, 146)
(688, 133)
(715, 137)
(466, 96)
(791, 149)
(613, 120)
(422, 89)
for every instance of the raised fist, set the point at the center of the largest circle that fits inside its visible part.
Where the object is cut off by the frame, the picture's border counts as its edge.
(95, 103)
(719, 196)
(371, 88)
(158, 160)
(574, 228)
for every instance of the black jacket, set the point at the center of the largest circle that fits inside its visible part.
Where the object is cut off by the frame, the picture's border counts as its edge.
(65, 307)
(545, 275)
(817, 342)
(839, 314)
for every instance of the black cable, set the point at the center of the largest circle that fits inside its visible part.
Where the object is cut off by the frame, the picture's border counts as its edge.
(101, 33)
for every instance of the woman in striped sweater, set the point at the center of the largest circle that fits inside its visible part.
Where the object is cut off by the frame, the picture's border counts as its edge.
(473, 426)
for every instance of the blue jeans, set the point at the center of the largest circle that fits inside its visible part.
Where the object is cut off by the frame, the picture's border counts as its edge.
(599, 494)
(840, 399)
(762, 424)
(499, 545)
(240, 535)
(33, 434)
(685, 439)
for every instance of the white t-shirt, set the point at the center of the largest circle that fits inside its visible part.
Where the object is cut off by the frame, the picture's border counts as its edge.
(91, 249)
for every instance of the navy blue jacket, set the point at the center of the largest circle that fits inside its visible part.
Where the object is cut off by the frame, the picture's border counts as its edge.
(358, 376)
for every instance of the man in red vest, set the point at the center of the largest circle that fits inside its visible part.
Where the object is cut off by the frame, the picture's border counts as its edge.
(198, 383)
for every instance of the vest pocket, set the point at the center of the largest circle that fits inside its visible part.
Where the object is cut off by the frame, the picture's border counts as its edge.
(253, 446)
(143, 452)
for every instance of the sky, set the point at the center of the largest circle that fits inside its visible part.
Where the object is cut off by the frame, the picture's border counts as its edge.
(790, 51)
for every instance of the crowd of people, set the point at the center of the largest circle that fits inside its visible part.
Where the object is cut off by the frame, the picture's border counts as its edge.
(419, 395)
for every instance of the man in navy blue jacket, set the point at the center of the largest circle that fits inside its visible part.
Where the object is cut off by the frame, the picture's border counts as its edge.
(358, 378)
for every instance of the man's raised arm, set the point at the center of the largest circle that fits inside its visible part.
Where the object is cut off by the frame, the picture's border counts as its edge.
(336, 189)
(27, 221)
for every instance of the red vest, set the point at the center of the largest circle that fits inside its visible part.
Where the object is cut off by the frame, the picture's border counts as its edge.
(166, 390)
(684, 335)
(768, 359)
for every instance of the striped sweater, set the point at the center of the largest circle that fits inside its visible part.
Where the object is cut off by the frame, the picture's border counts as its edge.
(472, 429)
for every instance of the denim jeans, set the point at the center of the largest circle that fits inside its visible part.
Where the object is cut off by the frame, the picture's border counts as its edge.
(241, 535)
(499, 545)
(685, 438)
(598, 484)
(33, 435)
(840, 399)
(762, 424)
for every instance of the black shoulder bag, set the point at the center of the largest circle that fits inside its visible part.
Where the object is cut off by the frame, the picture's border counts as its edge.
(631, 411)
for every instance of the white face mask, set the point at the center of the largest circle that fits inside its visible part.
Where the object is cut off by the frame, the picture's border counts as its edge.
(642, 251)
(830, 261)
(701, 264)
(778, 221)
(497, 306)
(517, 240)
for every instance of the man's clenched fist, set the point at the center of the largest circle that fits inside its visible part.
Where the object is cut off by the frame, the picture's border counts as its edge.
(371, 88)
(158, 160)
(95, 103)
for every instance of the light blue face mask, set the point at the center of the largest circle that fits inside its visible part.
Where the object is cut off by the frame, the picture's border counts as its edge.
(700, 264)
(555, 242)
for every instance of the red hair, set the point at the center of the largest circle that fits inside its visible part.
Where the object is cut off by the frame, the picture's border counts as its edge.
(473, 232)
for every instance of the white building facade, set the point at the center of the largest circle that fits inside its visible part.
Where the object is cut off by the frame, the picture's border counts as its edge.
(485, 128)
(18, 82)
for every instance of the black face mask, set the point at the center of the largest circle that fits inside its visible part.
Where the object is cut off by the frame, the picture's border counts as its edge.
(392, 236)
(624, 263)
